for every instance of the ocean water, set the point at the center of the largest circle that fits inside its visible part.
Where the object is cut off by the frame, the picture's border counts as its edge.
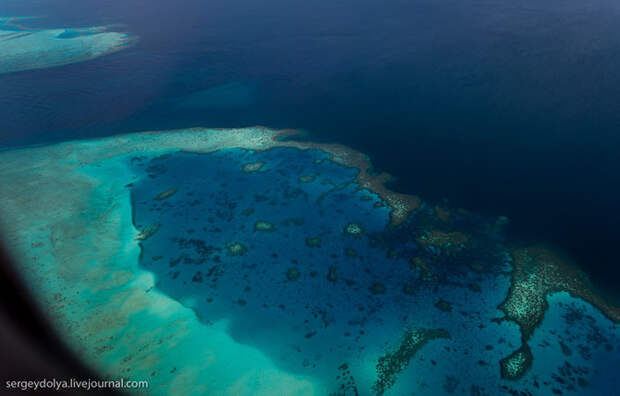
(232, 262)
(313, 307)
(499, 108)
(507, 109)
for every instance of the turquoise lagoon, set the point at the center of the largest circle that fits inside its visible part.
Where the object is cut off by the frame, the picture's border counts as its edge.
(236, 262)
(23, 48)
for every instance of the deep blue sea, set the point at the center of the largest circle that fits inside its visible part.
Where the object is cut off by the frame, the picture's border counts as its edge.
(499, 106)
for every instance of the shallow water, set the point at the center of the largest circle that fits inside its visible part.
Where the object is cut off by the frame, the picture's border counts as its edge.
(507, 109)
(256, 265)
(501, 109)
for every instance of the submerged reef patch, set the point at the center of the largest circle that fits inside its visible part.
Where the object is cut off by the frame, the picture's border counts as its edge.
(214, 303)
(393, 362)
(23, 48)
(264, 226)
(306, 178)
(401, 205)
(331, 274)
(314, 242)
(517, 363)
(420, 263)
(354, 229)
(443, 305)
(236, 249)
(444, 240)
(442, 213)
(292, 273)
(538, 272)
(147, 232)
(166, 194)
(253, 166)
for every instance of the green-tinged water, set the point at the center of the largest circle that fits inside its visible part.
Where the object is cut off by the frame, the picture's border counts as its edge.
(232, 262)
(30, 48)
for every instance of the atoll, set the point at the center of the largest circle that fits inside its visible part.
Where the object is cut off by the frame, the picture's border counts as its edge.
(365, 284)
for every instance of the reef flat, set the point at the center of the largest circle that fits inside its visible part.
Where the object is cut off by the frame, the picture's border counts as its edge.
(23, 48)
(394, 362)
(238, 262)
(537, 273)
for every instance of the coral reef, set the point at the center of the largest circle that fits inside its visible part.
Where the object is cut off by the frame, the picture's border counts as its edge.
(313, 242)
(168, 193)
(264, 226)
(420, 263)
(292, 273)
(392, 363)
(331, 274)
(401, 204)
(347, 382)
(252, 167)
(444, 240)
(539, 271)
(306, 179)
(23, 48)
(298, 221)
(350, 252)
(517, 363)
(442, 213)
(354, 230)
(236, 249)
(147, 232)
(443, 305)
(307, 327)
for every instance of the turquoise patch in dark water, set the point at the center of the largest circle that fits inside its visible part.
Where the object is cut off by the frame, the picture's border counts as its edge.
(342, 301)
(67, 34)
